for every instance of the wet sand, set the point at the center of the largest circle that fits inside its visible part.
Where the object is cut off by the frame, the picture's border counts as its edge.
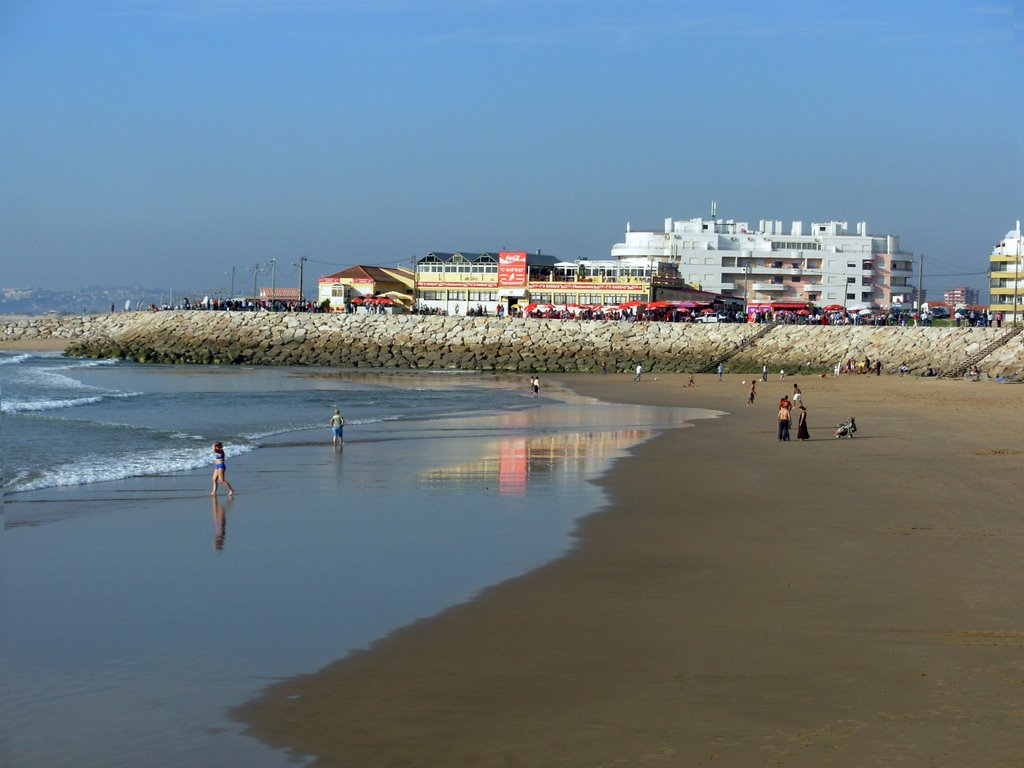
(740, 602)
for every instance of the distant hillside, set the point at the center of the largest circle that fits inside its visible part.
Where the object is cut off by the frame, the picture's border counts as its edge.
(91, 299)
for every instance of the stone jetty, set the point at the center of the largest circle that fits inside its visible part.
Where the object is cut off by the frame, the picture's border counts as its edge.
(508, 344)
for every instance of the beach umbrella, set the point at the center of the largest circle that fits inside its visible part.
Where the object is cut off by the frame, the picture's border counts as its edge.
(803, 312)
(658, 304)
(864, 312)
(357, 299)
(833, 308)
(529, 308)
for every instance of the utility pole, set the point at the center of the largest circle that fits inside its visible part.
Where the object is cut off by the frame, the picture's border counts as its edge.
(1016, 276)
(231, 295)
(255, 272)
(273, 280)
(920, 284)
(412, 260)
(302, 262)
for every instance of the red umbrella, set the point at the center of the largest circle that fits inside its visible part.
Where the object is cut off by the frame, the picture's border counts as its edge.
(633, 304)
(803, 312)
(657, 305)
(358, 300)
(833, 308)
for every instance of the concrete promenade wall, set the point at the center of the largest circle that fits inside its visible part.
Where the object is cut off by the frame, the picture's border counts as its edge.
(492, 344)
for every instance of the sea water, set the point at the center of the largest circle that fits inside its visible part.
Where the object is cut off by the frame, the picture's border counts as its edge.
(139, 610)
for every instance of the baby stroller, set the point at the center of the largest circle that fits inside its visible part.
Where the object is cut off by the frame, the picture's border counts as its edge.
(846, 429)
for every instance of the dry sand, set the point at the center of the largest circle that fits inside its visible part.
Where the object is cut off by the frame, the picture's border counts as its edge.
(38, 344)
(741, 602)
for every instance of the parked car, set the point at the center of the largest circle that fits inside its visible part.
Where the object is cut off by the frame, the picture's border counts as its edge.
(709, 319)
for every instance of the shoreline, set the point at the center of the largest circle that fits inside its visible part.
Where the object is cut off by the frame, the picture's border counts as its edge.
(836, 602)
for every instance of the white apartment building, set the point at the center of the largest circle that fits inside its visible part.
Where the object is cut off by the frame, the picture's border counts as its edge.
(826, 265)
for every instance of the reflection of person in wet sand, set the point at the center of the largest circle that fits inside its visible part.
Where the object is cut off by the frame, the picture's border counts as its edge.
(219, 468)
(220, 523)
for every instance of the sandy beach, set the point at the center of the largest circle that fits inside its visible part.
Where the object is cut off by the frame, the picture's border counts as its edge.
(740, 602)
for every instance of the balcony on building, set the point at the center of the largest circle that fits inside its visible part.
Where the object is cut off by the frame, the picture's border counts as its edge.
(768, 286)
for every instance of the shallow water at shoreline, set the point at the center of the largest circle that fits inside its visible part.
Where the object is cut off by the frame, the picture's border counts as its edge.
(147, 608)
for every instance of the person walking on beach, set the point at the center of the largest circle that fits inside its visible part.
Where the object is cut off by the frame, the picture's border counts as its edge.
(721, 370)
(801, 424)
(639, 372)
(764, 372)
(604, 367)
(535, 385)
(797, 394)
(220, 467)
(337, 428)
(753, 392)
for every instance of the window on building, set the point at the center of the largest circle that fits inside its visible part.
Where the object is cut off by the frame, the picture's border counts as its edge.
(851, 296)
(851, 280)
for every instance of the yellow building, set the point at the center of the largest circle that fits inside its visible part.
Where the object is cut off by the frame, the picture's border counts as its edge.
(362, 282)
(1006, 277)
(456, 282)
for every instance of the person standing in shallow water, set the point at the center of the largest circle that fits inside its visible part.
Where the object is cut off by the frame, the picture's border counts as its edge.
(337, 428)
(220, 467)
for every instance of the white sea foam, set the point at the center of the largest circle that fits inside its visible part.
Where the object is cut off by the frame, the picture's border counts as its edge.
(26, 406)
(105, 469)
(14, 360)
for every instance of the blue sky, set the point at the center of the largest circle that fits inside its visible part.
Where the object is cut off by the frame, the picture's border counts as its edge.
(161, 142)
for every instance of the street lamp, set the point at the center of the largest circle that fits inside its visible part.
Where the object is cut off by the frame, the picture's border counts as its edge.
(302, 262)
(1016, 276)
(256, 269)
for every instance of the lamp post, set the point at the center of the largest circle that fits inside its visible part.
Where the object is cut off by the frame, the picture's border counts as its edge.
(412, 262)
(1016, 276)
(231, 295)
(256, 269)
(302, 262)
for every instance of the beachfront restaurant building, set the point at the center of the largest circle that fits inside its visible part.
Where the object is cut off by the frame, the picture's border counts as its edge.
(1006, 277)
(361, 282)
(823, 265)
(456, 282)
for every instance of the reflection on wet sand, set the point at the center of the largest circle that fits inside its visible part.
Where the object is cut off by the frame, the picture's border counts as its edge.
(220, 521)
(509, 462)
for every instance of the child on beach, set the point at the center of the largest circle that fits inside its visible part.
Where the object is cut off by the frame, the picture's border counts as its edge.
(220, 467)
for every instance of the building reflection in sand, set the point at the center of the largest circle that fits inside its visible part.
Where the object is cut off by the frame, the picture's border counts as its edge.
(510, 462)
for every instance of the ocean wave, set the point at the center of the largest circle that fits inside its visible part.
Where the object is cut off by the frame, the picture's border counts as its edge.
(13, 360)
(101, 469)
(47, 405)
(262, 435)
(28, 406)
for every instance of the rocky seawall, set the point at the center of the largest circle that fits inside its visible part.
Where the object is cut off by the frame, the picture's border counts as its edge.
(492, 344)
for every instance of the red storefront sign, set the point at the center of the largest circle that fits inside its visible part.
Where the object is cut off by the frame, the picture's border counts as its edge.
(512, 269)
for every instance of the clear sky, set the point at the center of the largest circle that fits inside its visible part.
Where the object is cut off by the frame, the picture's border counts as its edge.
(163, 142)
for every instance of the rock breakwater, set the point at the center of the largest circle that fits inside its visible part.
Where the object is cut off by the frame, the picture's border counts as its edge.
(515, 345)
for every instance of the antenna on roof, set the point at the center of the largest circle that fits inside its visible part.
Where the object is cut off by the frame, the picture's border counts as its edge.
(714, 209)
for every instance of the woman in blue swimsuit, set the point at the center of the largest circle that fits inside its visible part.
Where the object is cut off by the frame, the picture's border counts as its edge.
(219, 468)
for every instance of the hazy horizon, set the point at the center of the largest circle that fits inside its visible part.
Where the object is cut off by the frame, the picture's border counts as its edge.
(163, 142)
